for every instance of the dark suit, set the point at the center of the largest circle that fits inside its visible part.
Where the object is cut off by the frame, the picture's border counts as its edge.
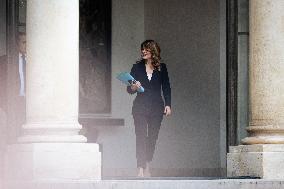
(148, 108)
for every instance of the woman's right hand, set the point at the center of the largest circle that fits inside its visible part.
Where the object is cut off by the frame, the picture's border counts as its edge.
(135, 86)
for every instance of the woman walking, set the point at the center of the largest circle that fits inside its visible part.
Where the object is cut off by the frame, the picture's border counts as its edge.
(149, 106)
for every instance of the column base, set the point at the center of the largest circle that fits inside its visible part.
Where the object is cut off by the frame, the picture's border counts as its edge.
(52, 139)
(52, 132)
(277, 139)
(265, 161)
(59, 162)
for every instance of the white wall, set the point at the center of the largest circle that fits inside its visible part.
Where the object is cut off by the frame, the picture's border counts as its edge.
(189, 35)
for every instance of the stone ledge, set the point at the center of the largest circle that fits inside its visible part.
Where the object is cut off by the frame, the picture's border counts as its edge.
(101, 121)
(256, 161)
(122, 173)
(153, 184)
(90, 125)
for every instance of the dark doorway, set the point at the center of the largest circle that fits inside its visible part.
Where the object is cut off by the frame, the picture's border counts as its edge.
(95, 57)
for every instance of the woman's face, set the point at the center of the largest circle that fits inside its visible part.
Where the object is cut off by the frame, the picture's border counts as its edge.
(146, 54)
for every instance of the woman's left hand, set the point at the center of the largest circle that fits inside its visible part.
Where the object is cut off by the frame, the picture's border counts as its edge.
(167, 111)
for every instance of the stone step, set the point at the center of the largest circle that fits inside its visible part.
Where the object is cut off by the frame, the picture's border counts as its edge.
(154, 184)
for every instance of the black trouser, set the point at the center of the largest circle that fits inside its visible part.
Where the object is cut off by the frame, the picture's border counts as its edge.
(146, 129)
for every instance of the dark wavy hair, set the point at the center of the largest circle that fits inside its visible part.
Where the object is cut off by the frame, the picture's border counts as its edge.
(155, 50)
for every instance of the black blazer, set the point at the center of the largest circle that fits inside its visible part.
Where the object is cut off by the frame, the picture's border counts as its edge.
(151, 101)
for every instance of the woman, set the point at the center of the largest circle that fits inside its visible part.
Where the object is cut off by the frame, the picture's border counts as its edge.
(148, 106)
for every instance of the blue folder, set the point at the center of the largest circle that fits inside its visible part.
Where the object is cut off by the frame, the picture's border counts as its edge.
(127, 79)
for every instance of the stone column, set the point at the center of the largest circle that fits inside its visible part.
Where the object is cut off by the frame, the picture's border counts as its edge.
(50, 148)
(52, 72)
(266, 71)
(265, 153)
